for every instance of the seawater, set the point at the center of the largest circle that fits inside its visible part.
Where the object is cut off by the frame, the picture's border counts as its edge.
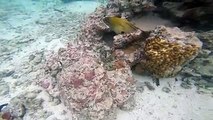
(31, 29)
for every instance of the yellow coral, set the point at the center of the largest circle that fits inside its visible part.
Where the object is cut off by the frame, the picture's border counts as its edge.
(163, 57)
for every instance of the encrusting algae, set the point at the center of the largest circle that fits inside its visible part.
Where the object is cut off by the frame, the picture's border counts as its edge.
(119, 25)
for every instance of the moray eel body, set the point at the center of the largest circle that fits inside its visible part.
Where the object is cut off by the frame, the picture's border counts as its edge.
(119, 25)
(2, 106)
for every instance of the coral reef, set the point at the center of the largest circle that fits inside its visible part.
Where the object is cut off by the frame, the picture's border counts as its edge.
(123, 40)
(126, 8)
(167, 50)
(203, 66)
(194, 13)
(19, 105)
(86, 86)
(206, 38)
(93, 79)
(163, 52)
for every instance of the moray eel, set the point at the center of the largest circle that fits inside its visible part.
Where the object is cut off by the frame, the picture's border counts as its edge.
(119, 25)
(2, 106)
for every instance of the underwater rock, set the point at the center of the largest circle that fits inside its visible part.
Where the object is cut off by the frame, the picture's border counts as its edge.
(186, 83)
(112, 8)
(87, 81)
(167, 50)
(204, 53)
(121, 40)
(203, 66)
(206, 38)
(88, 89)
(127, 8)
(26, 101)
(193, 13)
(6, 116)
(132, 53)
(129, 105)
(186, 71)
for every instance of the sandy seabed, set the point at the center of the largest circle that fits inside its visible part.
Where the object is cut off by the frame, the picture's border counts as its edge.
(30, 27)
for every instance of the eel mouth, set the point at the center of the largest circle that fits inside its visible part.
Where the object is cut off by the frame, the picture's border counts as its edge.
(106, 20)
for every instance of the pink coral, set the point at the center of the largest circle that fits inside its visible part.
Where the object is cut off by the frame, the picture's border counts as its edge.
(85, 86)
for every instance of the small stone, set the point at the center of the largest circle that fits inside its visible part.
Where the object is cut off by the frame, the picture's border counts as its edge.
(185, 85)
(56, 101)
(45, 83)
(138, 69)
(20, 110)
(4, 49)
(37, 60)
(4, 89)
(149, 86)
(31, 57)
(6, 116)
(129, 105)
(6, 73)
(26, 40)
(166, 89)
(31, 95)
(41, 22)
(189, 72)
(140, 87)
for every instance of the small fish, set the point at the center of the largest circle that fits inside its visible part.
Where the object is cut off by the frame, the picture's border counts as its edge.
(119, 25)
(2, 106)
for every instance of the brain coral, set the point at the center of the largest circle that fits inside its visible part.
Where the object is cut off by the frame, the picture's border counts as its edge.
(168, 49)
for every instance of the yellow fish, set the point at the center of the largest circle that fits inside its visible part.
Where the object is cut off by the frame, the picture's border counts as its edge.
(119, 25)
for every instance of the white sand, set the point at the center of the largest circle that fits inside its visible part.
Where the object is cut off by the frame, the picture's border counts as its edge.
(81, 6)
(150, 21)
(179, 104)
